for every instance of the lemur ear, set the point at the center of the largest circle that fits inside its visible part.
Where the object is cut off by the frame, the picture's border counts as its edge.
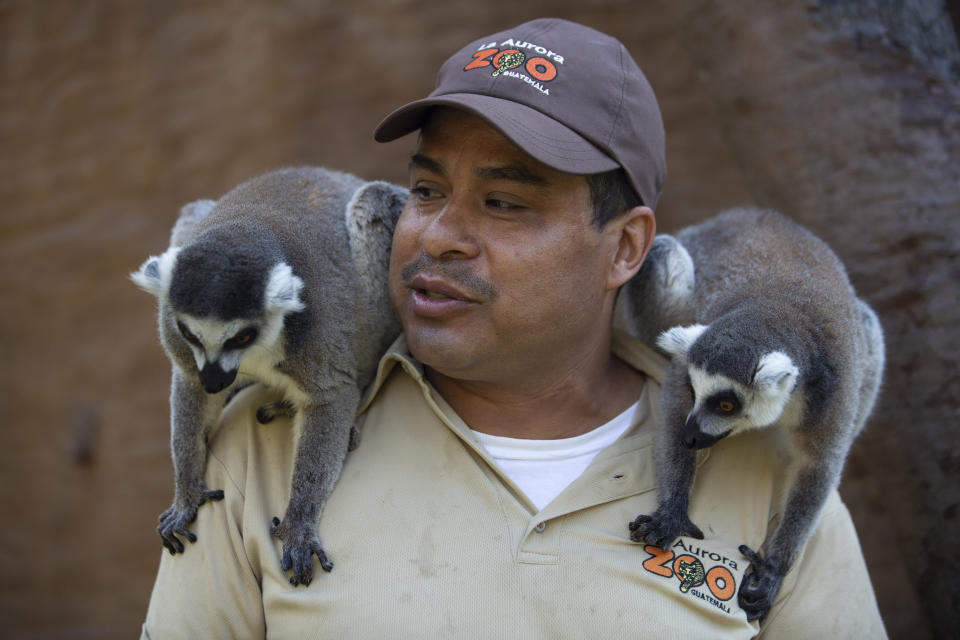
(371, 217)
(375, 204)
(678, 340)
(283, 290)
(155, 274)
(775, 372)
(677, 274)
(190, 215)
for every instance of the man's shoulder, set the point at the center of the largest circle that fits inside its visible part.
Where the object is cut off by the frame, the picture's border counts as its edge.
(239, 435)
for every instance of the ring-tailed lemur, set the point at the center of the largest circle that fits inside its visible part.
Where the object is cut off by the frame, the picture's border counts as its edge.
(772, 335)
(282, 281)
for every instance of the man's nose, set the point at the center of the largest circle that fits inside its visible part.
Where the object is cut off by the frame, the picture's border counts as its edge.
(448, 234)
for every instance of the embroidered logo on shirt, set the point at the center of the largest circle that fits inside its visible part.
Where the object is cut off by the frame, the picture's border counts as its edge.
(715, 585)
(690, 571)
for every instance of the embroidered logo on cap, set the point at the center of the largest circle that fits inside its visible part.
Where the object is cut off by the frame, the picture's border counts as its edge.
(508, 60)
(511, 59)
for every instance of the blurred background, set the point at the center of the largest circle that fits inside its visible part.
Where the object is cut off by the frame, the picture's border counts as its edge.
(844, 114)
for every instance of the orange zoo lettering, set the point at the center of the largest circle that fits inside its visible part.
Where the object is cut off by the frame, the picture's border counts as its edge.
(665, 563)
(540, 68)
(721, 583)
(658, 561)
(480, 59)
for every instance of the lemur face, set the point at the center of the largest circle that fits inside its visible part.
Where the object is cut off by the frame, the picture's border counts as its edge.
(218, 347)
(723, 406)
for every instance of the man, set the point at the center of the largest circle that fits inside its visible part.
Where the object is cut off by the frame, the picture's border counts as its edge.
(507, 439)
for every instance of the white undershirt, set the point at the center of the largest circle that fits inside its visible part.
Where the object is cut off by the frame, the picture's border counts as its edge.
(544, 468)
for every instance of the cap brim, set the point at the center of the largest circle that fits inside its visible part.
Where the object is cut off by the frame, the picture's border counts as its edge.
(550, 142)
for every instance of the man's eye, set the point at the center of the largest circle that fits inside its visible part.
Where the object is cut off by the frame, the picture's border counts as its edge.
(425, 193)
(502, 205)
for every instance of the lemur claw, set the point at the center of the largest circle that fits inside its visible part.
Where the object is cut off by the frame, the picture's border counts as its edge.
(662, 528)
(273, 410)
(300, 544)
(759, 586)
(174, 521)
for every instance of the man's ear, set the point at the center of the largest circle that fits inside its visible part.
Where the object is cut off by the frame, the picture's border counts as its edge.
(633, 231)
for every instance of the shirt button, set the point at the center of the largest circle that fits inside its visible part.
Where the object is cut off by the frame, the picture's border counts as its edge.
(540, 527)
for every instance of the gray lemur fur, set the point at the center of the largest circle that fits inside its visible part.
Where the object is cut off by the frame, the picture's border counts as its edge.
(766, 332)
(282, 281)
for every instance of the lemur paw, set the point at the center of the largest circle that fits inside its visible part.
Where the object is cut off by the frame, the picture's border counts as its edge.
(270, 412)
(174, 521)
(759, 586)
(663, 527)
(300, 544)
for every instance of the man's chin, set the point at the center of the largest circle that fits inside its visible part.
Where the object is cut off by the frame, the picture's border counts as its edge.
(440, 350)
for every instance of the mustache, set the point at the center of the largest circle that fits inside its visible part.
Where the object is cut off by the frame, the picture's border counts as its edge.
(456, 272)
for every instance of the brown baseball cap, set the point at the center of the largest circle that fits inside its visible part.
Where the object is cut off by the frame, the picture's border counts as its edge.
(570, 96)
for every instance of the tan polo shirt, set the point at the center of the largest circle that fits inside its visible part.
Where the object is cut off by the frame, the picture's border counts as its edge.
(430, 540)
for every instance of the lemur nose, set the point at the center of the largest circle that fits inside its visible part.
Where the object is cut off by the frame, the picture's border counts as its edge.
(696, 439)
(214, 379)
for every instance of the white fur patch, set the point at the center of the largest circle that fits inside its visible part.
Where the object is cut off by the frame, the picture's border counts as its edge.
(259, 365)
(773, 385)
(155, 274)
(270, 335)
(776, 370)
(283, 290)
(678, 340)
(767, 406)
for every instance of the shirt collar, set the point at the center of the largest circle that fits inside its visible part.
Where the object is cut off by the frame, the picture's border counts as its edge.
(616, 472)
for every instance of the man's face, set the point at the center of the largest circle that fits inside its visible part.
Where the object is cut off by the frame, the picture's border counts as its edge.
(496, 268)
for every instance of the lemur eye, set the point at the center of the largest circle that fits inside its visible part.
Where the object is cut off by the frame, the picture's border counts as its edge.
(187, 335)
(725, 403)
(242, 339)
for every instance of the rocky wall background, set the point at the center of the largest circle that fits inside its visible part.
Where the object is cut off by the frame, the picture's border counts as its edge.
(844, 114)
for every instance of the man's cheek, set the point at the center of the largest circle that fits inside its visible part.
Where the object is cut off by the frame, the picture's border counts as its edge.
(402, 232)
(405, 246)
